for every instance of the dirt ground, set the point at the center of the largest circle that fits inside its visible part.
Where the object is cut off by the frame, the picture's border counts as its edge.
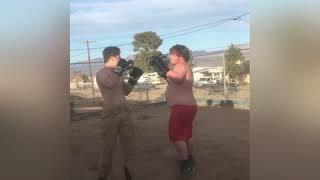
(221, 138)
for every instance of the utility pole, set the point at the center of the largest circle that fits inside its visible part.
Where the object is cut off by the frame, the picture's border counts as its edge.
(90, 67)
(224, 77)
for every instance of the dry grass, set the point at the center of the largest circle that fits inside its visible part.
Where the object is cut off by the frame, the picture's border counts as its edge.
(241, 96)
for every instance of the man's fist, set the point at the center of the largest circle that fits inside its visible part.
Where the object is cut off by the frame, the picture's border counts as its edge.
(122, 66)
(134, 74)
(159, 65)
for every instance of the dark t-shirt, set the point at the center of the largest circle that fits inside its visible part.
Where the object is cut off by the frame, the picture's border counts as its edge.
(111, 87)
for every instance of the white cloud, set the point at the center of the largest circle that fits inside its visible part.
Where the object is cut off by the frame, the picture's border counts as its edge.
(146, 14)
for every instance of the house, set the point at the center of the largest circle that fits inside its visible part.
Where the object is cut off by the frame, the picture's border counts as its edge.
(95, 84)
(214, 72)
(247, 79)
(152, 78)
(75, 80)
(215, 58)
(210, 64)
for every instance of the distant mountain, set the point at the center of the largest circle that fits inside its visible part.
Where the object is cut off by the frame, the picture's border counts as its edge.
(99, 60)
(201, 58)
(83, 66)
(215, 58)
(199, 53)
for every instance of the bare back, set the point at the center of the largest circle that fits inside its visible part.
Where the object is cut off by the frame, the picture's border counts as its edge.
(181, 93)
(111, 87)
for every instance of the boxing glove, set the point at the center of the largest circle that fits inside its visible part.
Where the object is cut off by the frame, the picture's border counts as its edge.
(134, 74)
(122, 66)
(159, 65)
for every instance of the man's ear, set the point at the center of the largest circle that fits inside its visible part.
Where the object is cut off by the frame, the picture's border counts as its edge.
(112, 58)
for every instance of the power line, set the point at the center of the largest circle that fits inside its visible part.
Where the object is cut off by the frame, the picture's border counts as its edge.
(78, 54)
(128, 49)
(207, 24)
(85, 63)
(203, 26)
(243, 20)
(211, 25)
(193, 27)
(219, 52)
(222, 49)
(189, 32)
(118, 45)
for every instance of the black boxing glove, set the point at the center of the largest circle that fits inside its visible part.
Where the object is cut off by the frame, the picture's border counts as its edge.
(134, 74)
(122, 66)
(159, 65)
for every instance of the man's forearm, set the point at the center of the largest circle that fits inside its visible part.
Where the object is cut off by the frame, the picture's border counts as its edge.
(175, 77)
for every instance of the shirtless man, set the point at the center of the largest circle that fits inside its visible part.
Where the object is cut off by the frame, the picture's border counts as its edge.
(116, 116)
(180, 98)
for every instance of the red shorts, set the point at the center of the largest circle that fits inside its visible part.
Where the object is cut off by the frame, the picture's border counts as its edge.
(180, 122)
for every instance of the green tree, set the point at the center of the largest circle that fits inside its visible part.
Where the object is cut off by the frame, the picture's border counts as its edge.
(142, 60)
(234, 61)
(146, 41)
(246, 67)
(146, 44)
(85, 77)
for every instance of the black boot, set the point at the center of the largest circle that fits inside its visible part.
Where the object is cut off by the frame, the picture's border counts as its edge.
(192, 164)
(191, 160)
(185, 168)
(127, 173)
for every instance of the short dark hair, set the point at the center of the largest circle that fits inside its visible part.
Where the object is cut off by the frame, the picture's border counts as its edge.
(181, 50)
(110, 51)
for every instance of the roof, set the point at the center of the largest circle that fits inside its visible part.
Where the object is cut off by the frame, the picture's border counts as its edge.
(75, 76)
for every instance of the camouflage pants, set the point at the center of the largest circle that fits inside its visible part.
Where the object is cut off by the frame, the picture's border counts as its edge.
(117, 122)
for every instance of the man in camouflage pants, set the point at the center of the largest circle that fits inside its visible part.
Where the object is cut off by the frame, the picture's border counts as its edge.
(116, 118)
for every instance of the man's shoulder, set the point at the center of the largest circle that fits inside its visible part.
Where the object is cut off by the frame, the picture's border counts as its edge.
(98, 73)
(104, 70)
(101, 73)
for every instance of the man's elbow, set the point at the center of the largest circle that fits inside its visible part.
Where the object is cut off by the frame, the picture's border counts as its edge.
(127, 93)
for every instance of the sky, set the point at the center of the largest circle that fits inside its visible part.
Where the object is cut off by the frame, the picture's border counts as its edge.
(113, 22)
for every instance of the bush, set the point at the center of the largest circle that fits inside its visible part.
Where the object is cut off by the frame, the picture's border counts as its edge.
(209, 102)
(226, 103)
